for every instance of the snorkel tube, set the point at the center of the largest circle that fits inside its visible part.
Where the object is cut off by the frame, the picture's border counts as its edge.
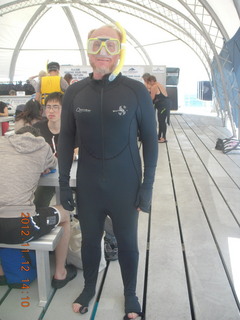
(122, 53)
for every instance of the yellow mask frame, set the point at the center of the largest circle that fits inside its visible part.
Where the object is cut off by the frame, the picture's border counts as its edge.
(106, 43)
(122, 53)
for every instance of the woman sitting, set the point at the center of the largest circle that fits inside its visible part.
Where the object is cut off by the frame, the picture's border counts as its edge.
(31, 114)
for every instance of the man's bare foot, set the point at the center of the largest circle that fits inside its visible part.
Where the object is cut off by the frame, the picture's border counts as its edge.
(133, 315)
(132, 303)
(80, 305)
(78, 308)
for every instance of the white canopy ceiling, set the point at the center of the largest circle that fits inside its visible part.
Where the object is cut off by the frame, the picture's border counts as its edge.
(176, 33)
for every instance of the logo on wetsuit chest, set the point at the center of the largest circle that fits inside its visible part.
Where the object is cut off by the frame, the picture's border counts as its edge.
(81, 110)
(121, 111)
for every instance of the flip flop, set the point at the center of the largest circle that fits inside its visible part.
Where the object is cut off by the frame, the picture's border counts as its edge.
(71, 274)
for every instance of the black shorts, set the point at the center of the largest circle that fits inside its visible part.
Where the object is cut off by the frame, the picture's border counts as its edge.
(27, 228)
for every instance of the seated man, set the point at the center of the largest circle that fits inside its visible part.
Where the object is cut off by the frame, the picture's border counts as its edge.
(49, 130)
(23, 157)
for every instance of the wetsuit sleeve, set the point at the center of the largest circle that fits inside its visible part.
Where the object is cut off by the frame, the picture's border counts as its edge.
(148, 133)
(66, 145)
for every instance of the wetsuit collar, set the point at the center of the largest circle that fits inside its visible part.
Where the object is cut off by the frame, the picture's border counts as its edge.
(105, 78)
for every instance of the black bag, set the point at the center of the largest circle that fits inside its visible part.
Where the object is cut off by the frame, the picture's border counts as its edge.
(219, 144)
(110, 247)
(228, 144)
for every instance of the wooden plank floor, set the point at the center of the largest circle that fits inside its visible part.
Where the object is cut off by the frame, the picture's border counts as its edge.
(194, 249)
(207, 204)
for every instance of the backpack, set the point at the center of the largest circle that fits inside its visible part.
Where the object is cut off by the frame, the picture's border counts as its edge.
(19, 266)
(110, 247)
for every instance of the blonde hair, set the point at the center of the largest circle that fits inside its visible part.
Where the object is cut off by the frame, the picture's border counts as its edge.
(42, 73)
(111, 26)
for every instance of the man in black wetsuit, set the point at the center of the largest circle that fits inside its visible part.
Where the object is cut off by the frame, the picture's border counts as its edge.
(107, 117)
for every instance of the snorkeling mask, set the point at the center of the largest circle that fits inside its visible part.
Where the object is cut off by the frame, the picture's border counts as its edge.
(112, 47)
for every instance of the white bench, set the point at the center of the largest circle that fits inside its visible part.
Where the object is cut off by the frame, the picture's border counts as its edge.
(42, 246)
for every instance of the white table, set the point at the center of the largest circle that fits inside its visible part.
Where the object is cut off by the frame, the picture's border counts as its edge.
(51, 179)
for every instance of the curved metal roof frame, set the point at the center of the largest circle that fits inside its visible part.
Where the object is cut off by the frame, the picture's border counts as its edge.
(187, 31)
(213, 31)
(86, 8)
(196, 25)
(35, 18)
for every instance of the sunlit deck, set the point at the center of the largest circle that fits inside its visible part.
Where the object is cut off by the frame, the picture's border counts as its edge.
(193, 262)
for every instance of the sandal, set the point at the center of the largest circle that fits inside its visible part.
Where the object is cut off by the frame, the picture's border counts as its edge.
(83, 299)
(71, 274)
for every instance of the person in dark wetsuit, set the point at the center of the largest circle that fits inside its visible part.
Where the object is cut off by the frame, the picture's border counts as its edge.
(106, 117)
(161, 102)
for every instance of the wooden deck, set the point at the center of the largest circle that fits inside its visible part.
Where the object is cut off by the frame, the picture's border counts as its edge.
(193, 262)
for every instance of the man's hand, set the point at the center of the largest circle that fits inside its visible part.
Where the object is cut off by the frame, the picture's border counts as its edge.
(66, 198)
(144, 199)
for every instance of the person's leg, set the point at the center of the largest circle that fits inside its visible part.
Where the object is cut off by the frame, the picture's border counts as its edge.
(92, 227)
(41, 224)
(162, 125)
(124, 190)
(125, 230)
(47, 219)
(62, 247)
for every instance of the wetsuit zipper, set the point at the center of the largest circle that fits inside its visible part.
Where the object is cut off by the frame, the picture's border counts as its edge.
(102, 133)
